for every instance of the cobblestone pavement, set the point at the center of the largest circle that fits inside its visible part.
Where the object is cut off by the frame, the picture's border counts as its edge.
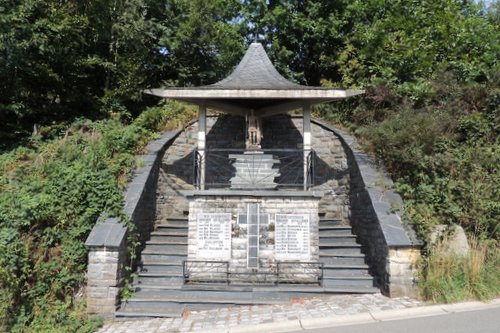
(296, 309)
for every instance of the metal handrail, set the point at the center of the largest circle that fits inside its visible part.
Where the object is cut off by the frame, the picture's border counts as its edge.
(214, 271)
(312, 268)
(206, 269)
(290, 168)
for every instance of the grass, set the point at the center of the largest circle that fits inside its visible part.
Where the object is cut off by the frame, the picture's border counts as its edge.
(449, 278)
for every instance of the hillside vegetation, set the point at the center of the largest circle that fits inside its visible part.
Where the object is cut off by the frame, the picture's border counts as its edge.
(73, 115)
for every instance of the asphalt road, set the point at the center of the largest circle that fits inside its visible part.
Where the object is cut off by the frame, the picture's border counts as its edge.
(476, 321)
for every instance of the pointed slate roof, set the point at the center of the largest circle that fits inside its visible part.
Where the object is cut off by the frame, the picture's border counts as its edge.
(254, 84)
(255, 71)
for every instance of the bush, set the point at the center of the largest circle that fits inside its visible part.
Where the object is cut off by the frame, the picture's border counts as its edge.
(52, 192)
(440, 142)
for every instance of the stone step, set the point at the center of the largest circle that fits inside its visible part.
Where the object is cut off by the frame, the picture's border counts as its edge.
(162, 248)
(348, 281)
(271, 292)
(346, 266)
(338, 242)
(177, 232)
(177, 219)
(160, 274)
(161, 268)
(330, 221)
(337, 231)
(323, 227)
(172, 225)
(175, 239)
(351, 289)
(348, 244)
(166, 240)
(347, 272)
(155, 257)
(356, 259)
(155, 313)
(159, 279)
(329, 252)
(213, 297)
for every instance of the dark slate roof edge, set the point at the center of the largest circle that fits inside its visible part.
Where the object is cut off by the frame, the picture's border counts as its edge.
(386, 203)
(253, 193)
(212, 87)
(111, 232)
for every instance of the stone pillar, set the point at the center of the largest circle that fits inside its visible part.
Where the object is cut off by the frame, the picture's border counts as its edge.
(306, 134)
(402, 270)
(202, 129)
(106, 267)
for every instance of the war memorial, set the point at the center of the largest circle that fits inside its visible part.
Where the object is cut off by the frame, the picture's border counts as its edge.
(254, 203)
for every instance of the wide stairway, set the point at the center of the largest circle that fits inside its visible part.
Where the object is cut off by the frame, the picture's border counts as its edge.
(159, 289)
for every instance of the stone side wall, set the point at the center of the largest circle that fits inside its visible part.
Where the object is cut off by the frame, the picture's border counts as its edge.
(331, 167)
(237, 204)
(107, 242)
(391, 246)
(176, 171)
(105, 278)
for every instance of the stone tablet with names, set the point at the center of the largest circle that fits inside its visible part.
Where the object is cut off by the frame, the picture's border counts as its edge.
(213, 236)
(292, 237)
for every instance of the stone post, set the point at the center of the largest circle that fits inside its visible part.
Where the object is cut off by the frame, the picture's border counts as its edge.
(202, 133)
(402, 270)
(105, 274)
(306, 134)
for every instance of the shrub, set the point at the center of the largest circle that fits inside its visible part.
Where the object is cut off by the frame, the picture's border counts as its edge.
(52, 192)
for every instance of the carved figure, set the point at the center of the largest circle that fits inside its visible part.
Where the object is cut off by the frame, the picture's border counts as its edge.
(254, 132)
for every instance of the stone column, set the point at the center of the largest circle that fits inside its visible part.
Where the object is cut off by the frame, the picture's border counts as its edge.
(105, 272)
(202, 129)
(401, 266)
(306, 133)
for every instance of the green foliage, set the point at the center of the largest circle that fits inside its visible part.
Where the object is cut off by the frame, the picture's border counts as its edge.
(443, 152)
(51, 195)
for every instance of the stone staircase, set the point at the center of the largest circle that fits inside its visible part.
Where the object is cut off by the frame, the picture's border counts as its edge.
(344, 270)
(159, 289)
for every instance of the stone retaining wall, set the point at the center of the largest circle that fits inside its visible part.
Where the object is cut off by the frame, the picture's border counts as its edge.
(391, 246)
(107, 241)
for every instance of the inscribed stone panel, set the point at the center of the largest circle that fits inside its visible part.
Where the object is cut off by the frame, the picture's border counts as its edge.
(214, 236)
(292, 237)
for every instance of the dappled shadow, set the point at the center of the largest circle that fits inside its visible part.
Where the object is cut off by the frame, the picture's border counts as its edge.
(226, 135)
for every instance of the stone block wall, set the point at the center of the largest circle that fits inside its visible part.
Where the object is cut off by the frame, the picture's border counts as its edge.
(236, 204)
(105, 279)
(330, 164)
(401, 269)
(392, 248)
(107, 242)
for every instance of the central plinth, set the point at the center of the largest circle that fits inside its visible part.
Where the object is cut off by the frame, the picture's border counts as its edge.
(254, 171)
(253, 237)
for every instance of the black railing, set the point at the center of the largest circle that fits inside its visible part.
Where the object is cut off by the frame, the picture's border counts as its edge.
(200, 271)
(213, 168)
(293, 272)
(284, 272)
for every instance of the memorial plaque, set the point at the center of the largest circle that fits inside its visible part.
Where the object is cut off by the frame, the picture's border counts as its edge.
(292, 237)
(214, 236)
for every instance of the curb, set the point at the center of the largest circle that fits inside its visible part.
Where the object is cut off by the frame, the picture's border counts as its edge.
(361, 318)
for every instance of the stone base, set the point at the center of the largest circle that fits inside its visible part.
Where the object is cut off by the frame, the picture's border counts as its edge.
(105, 277)
(304, 208)
(254, 171)
(402, 270)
